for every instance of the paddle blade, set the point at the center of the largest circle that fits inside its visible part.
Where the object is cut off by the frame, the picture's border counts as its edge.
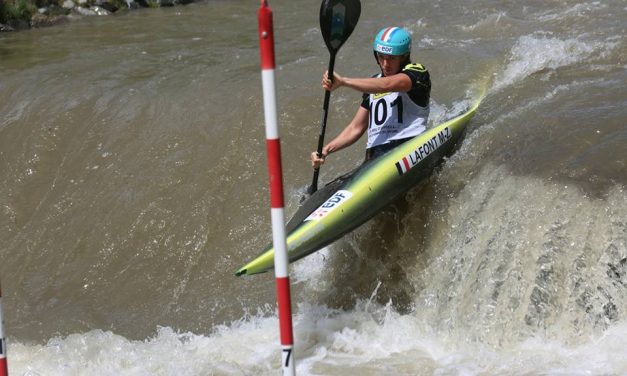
(338, 19)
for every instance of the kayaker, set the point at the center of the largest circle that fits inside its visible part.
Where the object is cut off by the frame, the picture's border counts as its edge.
(395, 102)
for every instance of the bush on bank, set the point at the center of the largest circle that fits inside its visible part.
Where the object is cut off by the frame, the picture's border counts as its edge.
(21, 11)
(16, 10)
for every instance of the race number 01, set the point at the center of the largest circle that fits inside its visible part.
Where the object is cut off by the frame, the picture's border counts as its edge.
(379, 112)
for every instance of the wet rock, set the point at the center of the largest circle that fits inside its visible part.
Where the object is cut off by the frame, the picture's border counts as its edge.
(54, 12)
(132, 4)
(91, 11)
(100, 11)
(4, 27)
(42, 20)
(84, 11)
(142, 3)
(13, 25)
(106, 5)
(68, 4)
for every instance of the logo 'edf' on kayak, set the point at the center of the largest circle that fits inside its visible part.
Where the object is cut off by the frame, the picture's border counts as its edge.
(423, 151)
(329, 205)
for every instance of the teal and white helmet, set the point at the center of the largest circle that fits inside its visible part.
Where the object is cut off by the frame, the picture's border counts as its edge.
(392, 41)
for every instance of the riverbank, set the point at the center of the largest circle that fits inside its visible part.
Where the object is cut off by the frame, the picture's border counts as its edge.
(25, 14)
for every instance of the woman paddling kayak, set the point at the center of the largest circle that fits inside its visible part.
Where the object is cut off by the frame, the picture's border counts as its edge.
(395, 102)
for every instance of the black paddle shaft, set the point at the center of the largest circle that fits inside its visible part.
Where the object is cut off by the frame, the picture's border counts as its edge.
(338, 19)
(323, 126)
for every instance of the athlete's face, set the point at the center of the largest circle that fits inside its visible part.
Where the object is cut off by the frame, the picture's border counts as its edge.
(390, 64)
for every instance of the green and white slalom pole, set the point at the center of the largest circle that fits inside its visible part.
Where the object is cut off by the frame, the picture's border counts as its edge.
(4, 370)
(273, 148)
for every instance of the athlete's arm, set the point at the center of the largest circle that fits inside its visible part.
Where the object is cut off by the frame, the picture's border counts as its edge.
(399, 82)
(347, 137)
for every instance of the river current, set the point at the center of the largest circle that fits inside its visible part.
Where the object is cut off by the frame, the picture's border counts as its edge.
(134, 184)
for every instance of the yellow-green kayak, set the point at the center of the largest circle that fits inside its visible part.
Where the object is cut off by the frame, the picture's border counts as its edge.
(353, 199)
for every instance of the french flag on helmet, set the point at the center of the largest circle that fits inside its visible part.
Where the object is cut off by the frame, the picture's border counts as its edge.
(392, 41)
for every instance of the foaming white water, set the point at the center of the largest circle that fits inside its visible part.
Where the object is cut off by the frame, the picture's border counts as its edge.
(533, 53)
(487, 23)
(224, 352)
(310, 267)
(577, 10)
(368, 340)
(517, 257)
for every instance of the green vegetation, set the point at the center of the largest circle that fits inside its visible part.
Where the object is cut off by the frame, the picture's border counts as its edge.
(17, 10)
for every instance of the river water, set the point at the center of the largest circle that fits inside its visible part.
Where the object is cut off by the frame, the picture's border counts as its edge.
(132, 156)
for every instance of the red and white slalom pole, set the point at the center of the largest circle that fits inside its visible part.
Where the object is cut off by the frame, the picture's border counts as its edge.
(273, 147)
(4, 370)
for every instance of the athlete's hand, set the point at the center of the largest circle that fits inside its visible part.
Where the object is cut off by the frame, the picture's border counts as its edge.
(331, 85)
(317, 159)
